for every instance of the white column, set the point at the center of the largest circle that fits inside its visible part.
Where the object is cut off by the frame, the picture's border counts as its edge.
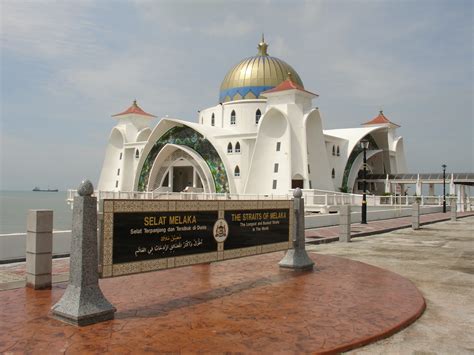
(452, 187)
(463, 198)
(170, 178)
(387, 185)
(419, 186)
(194, 177)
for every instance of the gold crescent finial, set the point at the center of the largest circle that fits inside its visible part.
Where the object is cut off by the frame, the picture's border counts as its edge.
(262, 47)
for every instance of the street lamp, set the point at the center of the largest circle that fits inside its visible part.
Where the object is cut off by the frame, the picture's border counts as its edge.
(444, 187)
(364, 143)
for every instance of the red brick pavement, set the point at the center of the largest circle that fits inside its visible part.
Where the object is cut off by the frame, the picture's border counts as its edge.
(330, 234)
(246, 305)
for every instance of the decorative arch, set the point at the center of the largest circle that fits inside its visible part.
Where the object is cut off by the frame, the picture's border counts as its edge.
(229, 148)
(352, 157)
(338, 152)
(333, 173)
(233, 118)
(333, 150)
(213, 120)
(237, 171)
(237, 147)
(137, 153)
(186, 136)
(167, 158)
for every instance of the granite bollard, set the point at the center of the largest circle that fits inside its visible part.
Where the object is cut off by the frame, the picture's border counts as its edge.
(297, 258)
(345, 223)
(454, 212)
(83, 302)
(39, 249)
(415, 215)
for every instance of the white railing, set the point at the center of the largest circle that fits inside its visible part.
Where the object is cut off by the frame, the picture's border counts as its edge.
(166, 195)
(315, 198)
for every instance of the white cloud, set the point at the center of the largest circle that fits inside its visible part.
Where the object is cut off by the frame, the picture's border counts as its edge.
(212, 18)
(47, 29)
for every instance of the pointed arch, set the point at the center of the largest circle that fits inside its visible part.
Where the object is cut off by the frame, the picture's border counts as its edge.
(333, 150)
(229, 148)
(237, 171)
(333, 173)
(237, 147)
(233, 118)
(137, 154)
(338, 152)
(213, 120)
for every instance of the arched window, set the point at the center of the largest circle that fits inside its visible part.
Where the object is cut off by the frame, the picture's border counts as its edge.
(237, 171)
(229, 147)
(120, 158)
(232, 117)
(213, 120)
(338, 151)
(333, 173)
(333, 150)
(137, 154)
(237, 147)
(258, 114)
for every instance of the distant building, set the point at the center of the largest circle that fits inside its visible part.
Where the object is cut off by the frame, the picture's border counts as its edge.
(263, 137)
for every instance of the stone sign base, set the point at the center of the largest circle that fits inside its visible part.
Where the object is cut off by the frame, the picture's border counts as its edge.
(83, 306)
(297, 259)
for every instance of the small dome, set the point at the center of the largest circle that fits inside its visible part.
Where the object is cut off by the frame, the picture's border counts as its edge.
(252, 76)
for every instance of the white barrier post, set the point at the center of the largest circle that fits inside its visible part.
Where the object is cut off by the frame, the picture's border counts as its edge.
(39, 249)
(345, 223)
(415, 223)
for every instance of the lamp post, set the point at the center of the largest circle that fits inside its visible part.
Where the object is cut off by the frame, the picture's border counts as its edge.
(364, 143)
(444, 187)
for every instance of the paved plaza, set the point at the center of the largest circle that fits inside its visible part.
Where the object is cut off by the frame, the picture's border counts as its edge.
(250, 305)
(438, 258)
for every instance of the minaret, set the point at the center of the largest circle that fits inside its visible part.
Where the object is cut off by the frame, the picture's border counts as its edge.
(124, 149)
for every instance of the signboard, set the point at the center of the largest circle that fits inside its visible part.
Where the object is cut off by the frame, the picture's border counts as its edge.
(148, 235)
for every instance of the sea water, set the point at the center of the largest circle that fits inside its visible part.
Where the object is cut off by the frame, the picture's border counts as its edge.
(14, 206)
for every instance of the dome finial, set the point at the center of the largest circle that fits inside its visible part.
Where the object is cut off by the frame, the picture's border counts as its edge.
(135, 102)
(262, 47)
(289, 77)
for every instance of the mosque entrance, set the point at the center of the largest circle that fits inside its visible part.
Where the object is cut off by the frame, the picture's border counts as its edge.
(180, 169)
(297, 183)
(182, 177)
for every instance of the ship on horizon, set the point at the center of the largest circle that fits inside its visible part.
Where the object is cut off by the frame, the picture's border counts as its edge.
(37, 189)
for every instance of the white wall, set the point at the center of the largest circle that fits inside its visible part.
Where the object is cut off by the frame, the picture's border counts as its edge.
(325, 220)
(274, 127)
(320, 175)
(112, 161)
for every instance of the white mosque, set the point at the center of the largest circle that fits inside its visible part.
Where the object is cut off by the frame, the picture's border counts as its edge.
(263, 137)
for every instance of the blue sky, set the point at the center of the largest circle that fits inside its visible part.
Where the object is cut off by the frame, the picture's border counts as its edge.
(66, 66)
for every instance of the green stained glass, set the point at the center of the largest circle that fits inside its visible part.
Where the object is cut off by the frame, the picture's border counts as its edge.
(188, 137)
(355, 152)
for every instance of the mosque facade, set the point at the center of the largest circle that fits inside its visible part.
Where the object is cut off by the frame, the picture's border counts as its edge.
(263, 137)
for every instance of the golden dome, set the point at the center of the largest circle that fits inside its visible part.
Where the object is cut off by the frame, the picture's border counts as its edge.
(252, 76)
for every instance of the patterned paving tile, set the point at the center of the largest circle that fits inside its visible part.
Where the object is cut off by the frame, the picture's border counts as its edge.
(246, 305)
